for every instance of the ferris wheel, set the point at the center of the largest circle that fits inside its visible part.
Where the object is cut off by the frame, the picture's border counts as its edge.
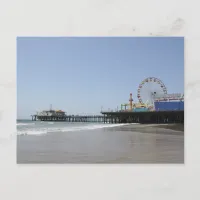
(149, 89)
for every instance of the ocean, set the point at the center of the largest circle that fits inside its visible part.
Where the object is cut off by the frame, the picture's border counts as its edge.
(64, 142)
(28, 127)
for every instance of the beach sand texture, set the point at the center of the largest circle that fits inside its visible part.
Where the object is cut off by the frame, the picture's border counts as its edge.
(131, 144)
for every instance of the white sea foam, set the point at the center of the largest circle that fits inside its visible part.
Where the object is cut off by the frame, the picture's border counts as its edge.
(25, 124)
(50, 122)
(41, 131)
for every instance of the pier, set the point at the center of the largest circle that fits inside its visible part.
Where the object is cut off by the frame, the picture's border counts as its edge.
(148, 117)
(163, 108)
(153, 117)
(70, 118)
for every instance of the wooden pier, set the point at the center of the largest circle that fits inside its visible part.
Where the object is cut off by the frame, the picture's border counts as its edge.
(154, 117)
(70, 118)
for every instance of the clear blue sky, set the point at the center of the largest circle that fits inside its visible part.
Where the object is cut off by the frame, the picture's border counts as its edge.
(79, 75)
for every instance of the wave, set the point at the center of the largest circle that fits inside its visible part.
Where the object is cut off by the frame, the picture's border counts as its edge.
(25, 124)
(42, 131)
(50, 122)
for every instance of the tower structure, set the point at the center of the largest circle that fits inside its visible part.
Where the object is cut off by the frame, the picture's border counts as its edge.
(131, 102)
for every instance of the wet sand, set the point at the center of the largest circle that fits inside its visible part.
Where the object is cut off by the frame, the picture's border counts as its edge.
(175, 127)
(139, 144)
(172, 129)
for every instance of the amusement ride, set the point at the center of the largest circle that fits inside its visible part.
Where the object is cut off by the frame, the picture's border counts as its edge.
(150, 90)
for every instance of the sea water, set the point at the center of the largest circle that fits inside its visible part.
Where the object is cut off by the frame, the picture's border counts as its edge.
(28, 127)
(64, 142)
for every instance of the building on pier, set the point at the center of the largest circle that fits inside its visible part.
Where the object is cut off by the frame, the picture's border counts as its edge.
(50, 115)
(56, 113)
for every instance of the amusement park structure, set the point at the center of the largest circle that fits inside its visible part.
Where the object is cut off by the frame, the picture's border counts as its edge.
(133, 105)
(154, 105)
(152, 96)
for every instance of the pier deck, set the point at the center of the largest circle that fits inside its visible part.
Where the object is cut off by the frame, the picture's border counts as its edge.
(70, 118)
(120, 117)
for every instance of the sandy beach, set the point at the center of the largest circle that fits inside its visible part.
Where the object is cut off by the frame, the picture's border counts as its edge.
(129, 144)
(172, 129)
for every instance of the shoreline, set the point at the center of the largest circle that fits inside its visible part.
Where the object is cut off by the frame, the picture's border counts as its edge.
(174, 127)
(127, 144)
(166, 129)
